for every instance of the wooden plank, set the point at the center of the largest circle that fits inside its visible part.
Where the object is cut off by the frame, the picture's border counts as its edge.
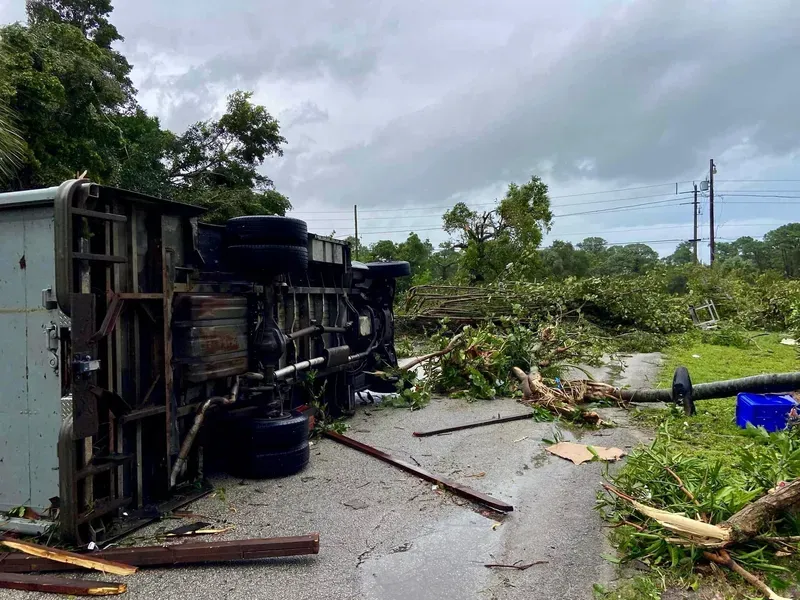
(179, 554)
(455, 487)
(471, 425)
(62, 556)
(99, 215)
(60, 585)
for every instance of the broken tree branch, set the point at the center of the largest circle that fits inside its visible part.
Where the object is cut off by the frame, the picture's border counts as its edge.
(683, 488)
(743, 526)
(724, 559)
(62, 556)
(421, 359)
(515, 566)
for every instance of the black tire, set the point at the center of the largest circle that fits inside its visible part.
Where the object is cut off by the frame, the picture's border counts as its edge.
(389, 269)
(268, 465)
(254, 435)
(267, 229)
(268, 259)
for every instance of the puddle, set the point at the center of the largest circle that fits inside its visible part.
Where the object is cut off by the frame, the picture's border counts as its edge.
(446, 562)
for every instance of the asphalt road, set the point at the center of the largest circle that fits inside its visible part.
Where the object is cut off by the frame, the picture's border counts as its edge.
(385, 535)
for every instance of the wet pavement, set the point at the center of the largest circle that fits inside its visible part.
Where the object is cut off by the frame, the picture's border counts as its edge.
(385, 535)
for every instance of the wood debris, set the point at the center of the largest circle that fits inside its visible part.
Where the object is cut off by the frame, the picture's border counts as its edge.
(176, 554)
(62, 556)
(60, 585)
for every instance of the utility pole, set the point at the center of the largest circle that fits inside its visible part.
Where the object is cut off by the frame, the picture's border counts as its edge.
(711, 169)
(355, 220)
(694, 237)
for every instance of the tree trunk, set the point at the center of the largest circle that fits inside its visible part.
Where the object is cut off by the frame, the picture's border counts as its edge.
(756, 516)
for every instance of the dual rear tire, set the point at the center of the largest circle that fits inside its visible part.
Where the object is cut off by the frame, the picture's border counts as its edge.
(267, 244)
(267, 447)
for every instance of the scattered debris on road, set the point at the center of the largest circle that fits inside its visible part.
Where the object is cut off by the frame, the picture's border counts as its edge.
(60, 585)
(516, 565)
(199, 528)
(454, 487)
(173, 555)
(581, 453)
(471, 425)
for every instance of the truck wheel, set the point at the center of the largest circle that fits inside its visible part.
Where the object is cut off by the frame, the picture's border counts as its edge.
(274, 259)
(389, 269)
(253, 435)
(267, 229)
(267, 465)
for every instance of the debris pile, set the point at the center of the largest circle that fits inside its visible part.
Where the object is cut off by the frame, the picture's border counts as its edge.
(30, 558)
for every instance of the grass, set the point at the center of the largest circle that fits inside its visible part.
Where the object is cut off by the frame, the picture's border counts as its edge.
(713, 430)
(708, 446)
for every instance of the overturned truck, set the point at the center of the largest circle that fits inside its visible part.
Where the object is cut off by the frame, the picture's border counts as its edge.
(139, 345)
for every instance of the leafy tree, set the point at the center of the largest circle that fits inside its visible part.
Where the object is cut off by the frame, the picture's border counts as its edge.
(215, 163)
(631, 259)
(62, 87)
(784, 245)
(683, 255)
(78, 112)
(593, 245)
(562, 259)
(507, 235)
(11, 144)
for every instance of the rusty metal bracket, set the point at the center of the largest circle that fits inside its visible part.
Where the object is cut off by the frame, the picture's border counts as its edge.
(471, 425)
(455, 487)
(110, 320)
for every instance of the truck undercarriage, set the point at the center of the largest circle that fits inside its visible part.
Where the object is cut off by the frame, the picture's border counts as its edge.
(170, 345)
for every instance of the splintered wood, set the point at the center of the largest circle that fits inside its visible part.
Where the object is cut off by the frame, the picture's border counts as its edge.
(62, 556)
(562, 401)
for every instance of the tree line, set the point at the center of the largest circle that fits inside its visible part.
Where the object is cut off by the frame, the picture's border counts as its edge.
(504, 242)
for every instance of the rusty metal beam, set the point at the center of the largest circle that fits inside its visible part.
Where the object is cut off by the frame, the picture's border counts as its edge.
(178, 554)
(60, 585)
(455, 487)
(471, 425)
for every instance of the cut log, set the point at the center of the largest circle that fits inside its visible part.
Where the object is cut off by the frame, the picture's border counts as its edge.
(62, 556)
(59, 585)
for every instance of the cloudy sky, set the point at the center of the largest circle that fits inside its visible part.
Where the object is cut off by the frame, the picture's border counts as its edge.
(405, 108)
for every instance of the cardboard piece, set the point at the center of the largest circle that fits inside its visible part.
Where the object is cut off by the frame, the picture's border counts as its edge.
(580, 453)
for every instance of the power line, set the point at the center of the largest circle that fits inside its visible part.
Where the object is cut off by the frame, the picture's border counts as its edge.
(629, 189)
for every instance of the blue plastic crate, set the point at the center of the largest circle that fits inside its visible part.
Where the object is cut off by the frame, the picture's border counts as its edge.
(769, 411)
